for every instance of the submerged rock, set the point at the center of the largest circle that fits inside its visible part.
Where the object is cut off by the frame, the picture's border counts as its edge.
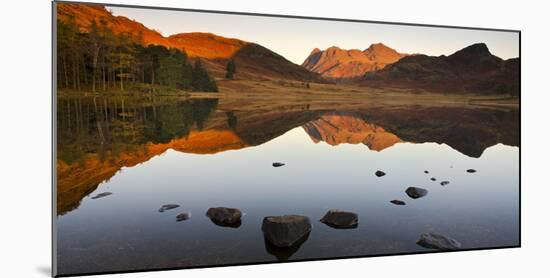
(433, 179)
(471, 170)
(278, 164)
(444, 183)
(225, 217)
(340, 219)
(168, 207)
(284, 253)
(437, 241)
(379, 173)
(183, 216)
(101, 195)
(398, 202)
(416, 192)
(285, 230)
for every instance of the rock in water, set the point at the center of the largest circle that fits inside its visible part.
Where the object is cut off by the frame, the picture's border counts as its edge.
(379, 173)
(437, 241)
(183, 216)
(278, 164)
(340, 219)
(285, 230)
(101, 195)
(433, 179)
(416, 192)
(225, 217)
(167, 207)
(471, 171)
(398, 202)
(426, 172)
(445, 183)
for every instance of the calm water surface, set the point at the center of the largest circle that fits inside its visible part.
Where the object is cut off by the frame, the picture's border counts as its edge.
(200, 154)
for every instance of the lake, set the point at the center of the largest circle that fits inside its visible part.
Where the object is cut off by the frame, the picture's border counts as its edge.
(207, 152)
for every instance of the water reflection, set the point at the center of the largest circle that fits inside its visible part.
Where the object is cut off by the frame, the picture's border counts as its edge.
(97, 136)
(284, 253)
(204, 153)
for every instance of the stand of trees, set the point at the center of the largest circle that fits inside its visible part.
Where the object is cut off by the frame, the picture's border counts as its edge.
(99, 60)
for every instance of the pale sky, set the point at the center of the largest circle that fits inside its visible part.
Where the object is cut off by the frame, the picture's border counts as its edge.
(295, 38)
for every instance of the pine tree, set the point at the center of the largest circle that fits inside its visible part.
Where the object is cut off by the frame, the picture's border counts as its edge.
(230, 69)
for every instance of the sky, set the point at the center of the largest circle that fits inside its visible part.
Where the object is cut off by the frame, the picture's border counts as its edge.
(296, 38)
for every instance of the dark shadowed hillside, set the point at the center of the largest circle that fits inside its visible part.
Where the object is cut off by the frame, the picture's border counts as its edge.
(472, 70)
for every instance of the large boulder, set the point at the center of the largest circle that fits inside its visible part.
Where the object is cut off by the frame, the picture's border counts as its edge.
(340, 219)
(226, 217)
(416, 192)
(285, 230)
(439, 242)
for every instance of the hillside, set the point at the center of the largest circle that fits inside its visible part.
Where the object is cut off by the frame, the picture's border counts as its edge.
(252, 59)
(337, 63)
(470, 70)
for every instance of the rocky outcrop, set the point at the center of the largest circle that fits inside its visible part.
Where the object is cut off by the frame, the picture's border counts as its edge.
(337, 63)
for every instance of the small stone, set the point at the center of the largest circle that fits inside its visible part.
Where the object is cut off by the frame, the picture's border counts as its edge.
(278, 164)
(379, 173)
(433, 179)
(443, 183)
(225, 217)
(398, 202)
(471, 171)
(183, 216)
(340, 219)
(426, 172)
(416, 192)
(439, 242)
(168, 207)
(101, 195)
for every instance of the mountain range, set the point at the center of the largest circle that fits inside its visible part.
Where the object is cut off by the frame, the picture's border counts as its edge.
(337, 63)
(473, 69)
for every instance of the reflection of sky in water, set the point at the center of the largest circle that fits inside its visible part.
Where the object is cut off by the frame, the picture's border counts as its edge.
(125, 231)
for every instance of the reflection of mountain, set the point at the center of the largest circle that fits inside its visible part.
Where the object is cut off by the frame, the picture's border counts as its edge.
(336, 63)
(341, 128)
(252, 59)
(98, 138)
(472, 69)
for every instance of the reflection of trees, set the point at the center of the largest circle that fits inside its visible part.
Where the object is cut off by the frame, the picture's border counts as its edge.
(231, 120)
(116, 124)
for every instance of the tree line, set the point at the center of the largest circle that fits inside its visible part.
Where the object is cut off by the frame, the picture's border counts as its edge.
(100, 60)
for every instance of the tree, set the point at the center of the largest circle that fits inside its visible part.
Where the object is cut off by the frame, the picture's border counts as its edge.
(230, 69)
(201, 81)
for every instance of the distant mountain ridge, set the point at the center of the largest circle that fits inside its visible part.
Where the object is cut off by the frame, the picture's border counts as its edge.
(337, 63)
(473, 69)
